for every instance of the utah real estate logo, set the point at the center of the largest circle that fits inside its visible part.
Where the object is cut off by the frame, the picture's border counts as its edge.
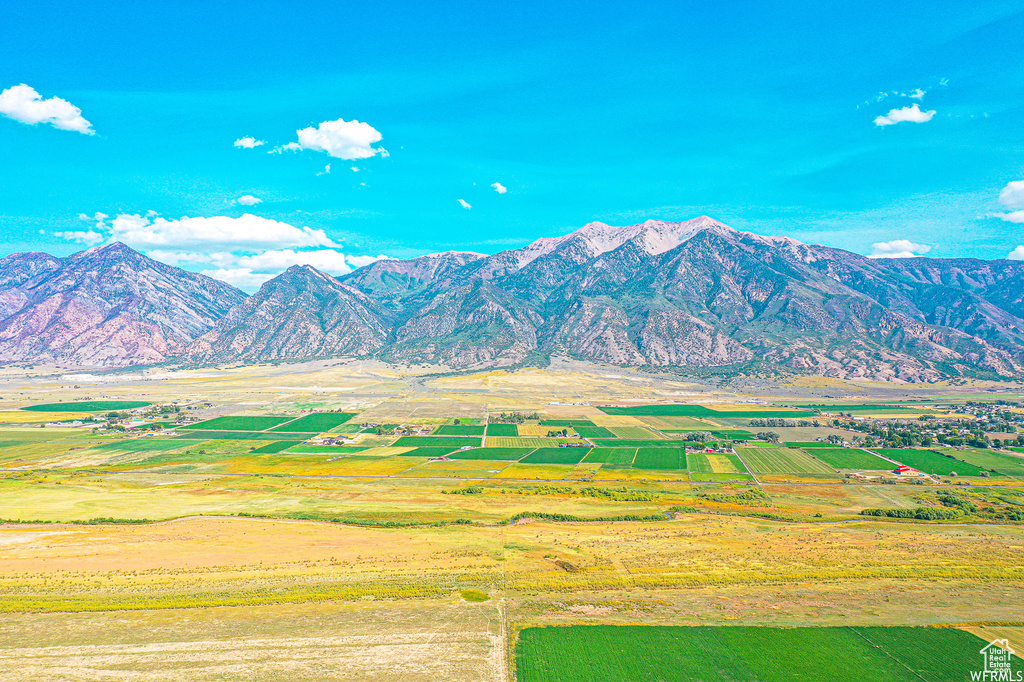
(998, 666)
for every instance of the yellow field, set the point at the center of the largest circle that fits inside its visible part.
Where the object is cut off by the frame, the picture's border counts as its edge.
(536, 471)
(383, 452)
(535, 429)
(639, 475)
(721, 464)
(608, 420)
(456, 468)
(629, 432)
(22, 417)
(1013, 635)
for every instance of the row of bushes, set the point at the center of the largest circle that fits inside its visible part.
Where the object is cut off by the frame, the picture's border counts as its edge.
(569, 517)
(921, 513)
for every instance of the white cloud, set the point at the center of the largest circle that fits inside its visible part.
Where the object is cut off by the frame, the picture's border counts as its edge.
(354, 169)
(464, 203)
(341, 139)
(1016, 217)
(244, 251)
(917, 94)
(328, 260)
(248, 200)
(246, 232)
(1012, 196)
(898, 248)
(242, 278)
(912, 114)
(1017, 254)
(499, 188)
(23, 103)
(360, 261)
(250, 271)
(290, 147)
(249, 142)
(90, 238)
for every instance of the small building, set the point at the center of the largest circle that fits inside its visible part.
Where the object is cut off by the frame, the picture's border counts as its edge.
(909, 472)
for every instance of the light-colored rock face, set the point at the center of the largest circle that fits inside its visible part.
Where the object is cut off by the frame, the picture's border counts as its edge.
(107, 307)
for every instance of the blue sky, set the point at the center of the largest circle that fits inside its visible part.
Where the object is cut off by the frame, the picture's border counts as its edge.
(763, 115)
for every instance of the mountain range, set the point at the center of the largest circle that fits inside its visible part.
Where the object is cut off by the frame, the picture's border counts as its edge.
(695, 294)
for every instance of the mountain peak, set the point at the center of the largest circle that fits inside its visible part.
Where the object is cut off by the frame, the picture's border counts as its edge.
(113, 249)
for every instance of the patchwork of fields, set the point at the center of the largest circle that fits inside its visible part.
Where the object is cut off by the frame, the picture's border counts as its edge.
(358, 544)
(621, 443)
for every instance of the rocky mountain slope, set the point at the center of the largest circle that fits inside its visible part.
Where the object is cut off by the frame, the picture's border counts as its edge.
(106, 307)
(659, 294)
(301, 313)
(701, 294)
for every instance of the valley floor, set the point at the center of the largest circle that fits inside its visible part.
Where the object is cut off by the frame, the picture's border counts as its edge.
(212, 569)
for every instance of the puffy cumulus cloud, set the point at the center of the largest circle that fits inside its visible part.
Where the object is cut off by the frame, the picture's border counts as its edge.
(244, 232)
(248, 200)
(1017, 254)
(245, 251)
(898, 248)
(341, 139)
(464, 204)
(89, 238)
(23, 103)
(249, 142)
(499, 188)
(912, 114)
(1012, 196)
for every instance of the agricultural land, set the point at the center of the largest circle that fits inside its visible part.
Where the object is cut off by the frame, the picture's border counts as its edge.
(353, 520)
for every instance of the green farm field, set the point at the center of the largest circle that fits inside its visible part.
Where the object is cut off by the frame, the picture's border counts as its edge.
(88, 406)
(991, 459)
(660, 458)
(781, 461)
(502, 454)
(319, 422)
(701, 411)
(506, 430)
(556, 456)
(931, 462)
(611, 455)
(238, 424)
(742, 654)
(849, 458)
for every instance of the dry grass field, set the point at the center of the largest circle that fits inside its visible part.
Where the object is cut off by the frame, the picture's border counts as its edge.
(346, 564)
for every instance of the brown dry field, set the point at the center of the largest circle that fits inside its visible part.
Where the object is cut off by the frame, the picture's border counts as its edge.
(198, 598)
(210, 597)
